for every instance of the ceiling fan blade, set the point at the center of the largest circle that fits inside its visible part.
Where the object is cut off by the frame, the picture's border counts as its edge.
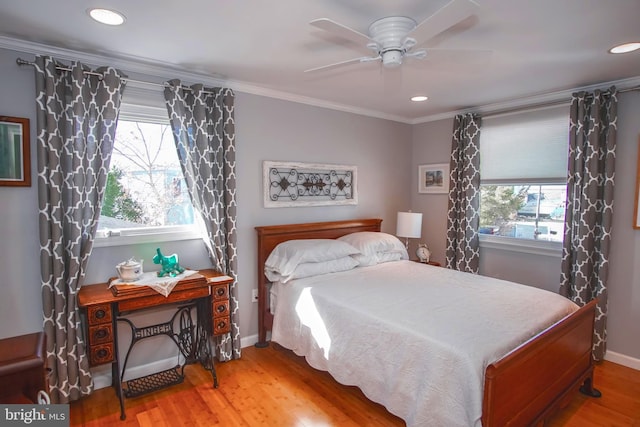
(341, 30)
(446, 17)
(458, 54)
(418, 54)
(339, 64)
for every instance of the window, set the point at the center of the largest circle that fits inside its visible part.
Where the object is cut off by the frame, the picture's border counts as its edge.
(523, 167)
(523, 211)
(146, 197)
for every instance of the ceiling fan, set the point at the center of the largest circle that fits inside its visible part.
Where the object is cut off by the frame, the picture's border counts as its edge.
(393, 38)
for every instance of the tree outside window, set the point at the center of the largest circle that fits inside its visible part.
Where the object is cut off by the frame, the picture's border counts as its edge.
(524, 211)
(145, 186)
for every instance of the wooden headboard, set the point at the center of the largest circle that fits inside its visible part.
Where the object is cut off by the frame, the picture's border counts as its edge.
(270, 236)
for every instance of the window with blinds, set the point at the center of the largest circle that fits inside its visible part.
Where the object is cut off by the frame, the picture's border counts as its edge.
(523, 168)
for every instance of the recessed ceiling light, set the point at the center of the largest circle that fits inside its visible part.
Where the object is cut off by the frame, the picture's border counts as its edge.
(419, 98)
(625, 48)
(106, 16)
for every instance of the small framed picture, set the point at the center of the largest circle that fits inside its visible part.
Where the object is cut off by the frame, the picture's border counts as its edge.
(15, 157)
(433, 179)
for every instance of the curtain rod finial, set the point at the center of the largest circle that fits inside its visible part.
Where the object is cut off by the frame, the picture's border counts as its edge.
(21, 61)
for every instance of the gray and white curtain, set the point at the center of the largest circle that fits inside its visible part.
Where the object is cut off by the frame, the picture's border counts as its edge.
(589, 207)
(202, 120)
(462, 251)
(76, 121)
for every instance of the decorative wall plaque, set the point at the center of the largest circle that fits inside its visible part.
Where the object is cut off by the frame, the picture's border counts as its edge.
(308, 184)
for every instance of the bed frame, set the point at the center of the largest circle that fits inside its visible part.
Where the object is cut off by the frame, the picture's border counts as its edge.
(523, 388)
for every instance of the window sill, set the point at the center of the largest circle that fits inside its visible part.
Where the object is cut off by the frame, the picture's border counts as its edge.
(148, 236)
(535, 247)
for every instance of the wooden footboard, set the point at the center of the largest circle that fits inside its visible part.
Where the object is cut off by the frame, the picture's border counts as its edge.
(531, 382)
(523, 388)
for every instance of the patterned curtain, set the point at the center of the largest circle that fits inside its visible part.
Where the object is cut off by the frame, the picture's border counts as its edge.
(76, 120)
(464, 195)
(589, 208)
(203, 126)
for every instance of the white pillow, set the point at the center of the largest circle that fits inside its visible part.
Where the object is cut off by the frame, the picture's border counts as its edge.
(378, 258)
(374, 247)
(285, 257)
(365, 260)
(309, 269)
(389, 256)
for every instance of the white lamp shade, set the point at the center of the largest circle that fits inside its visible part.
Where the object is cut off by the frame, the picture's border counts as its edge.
(409, 225)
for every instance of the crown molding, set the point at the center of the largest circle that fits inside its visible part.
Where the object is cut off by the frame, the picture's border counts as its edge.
(163, 71)
(531, 101)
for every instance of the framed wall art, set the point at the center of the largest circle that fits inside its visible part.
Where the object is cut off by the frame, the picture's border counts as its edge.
(433, 179)
(15, 156)
(289, 184)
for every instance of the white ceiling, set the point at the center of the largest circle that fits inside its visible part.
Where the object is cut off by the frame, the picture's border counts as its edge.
(536, 47)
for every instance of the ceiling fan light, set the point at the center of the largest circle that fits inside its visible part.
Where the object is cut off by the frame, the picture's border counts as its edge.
(625, 47)
(419, 98)
(392, 58)
(106, 16)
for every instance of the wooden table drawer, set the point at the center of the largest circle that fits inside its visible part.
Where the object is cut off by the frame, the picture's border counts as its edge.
(154, 301)
(100, 313)
(220, 292)
(100, 334)
(220, 308)
(221, 325)
(101, 353)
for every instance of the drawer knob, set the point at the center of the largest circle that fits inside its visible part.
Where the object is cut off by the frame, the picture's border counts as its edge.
(221, 308)
(102, 353)
(100, 314)
(222, 324)
(220, 292)
(101, 333)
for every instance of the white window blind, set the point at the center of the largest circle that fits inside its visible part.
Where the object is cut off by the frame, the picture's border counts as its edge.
(141, 104)
(529, 146)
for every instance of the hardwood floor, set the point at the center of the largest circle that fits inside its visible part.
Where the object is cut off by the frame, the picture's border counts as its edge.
(273, 387)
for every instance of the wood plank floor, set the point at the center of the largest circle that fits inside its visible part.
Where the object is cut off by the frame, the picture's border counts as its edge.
(273, 387)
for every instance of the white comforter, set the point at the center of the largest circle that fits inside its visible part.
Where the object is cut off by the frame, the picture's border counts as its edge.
(413, 337)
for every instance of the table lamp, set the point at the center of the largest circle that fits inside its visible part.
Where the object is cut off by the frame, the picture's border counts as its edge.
(409, 226)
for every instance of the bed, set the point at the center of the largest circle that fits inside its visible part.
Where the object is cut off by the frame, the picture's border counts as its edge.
(524, 385)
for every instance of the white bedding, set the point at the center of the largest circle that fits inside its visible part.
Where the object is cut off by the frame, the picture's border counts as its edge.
(413, 337)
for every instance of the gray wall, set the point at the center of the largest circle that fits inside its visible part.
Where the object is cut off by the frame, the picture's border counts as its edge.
(268, 129)
(624, 274)
(432, 144)
(20, 301)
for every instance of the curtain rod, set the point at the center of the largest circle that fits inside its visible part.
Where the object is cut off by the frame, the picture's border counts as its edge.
(21, 61)
(545, 104)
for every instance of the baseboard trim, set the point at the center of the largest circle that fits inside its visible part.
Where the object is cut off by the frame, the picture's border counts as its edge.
(103, 379)
(248, 341)
(621, 359)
